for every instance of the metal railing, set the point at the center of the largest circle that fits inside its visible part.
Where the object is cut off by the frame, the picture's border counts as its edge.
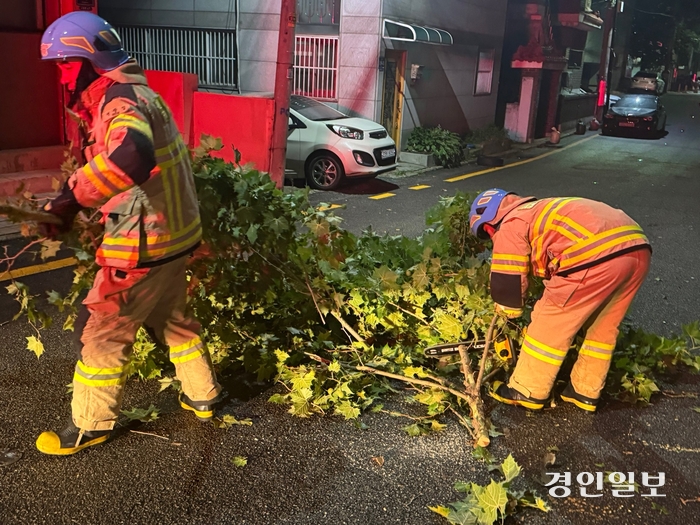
(316, 67)
(210, 54)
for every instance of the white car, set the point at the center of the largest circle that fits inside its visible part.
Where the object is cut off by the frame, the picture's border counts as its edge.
(325, 146)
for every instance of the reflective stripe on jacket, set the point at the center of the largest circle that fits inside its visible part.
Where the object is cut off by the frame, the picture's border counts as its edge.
(138, 172)
(553, 236)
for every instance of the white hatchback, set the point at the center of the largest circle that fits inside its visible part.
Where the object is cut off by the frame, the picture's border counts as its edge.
(325, 146)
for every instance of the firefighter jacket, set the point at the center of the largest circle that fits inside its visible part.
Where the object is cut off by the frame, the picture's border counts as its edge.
(556, 236)
(138, 173)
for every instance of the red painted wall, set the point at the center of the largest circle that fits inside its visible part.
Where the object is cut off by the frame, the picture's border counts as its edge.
(243, 122)
(177, 89)
(29, 95)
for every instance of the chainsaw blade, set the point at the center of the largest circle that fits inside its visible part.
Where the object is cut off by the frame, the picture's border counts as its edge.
(453, 348)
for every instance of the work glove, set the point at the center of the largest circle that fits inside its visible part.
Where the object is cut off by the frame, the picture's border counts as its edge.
(510, 313)
(65, 207)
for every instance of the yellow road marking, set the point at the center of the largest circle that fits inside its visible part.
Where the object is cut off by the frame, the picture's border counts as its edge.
(419, 187)
(37, 268)
(519, 163)
(382, 196)
(331, 207)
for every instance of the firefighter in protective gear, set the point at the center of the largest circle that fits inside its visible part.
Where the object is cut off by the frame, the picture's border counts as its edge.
(137, 171)
(593, 258)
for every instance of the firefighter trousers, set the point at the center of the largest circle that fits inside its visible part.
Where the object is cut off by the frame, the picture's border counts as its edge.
(595, 299)
(119, 303)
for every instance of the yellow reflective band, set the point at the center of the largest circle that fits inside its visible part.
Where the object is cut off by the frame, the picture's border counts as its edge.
(596, 344)
(541, 357)
(507, 268)
(511, 257)
(100, 371)
(96, 182)
(130, 122)
(598, 355)
(175, 160)
(184, 346)
(544, 347)
(120, 241)
(99, 382)
(576, 226)
(110, 175)
(539, 234)
(187, 357)
(565, 263)
(167, 190)
(566, 233)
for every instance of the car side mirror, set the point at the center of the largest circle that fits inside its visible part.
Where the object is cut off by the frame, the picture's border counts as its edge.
(291, 125)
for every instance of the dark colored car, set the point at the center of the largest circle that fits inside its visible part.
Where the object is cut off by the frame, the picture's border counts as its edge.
(635, 115)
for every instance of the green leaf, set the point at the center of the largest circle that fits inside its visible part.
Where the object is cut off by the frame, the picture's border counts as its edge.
(279, 399)
(334, 367)
(281, 356)
(34, 345)
(145, 415)
(239, 461)
(414, 430)
(483, 454)
(347, 410)
(227, 421)
(510, 468)
(169, 382)
(492, 500)
(442, 511)
(697, 409)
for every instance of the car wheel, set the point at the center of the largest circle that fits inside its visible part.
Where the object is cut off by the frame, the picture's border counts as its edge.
(324, 171)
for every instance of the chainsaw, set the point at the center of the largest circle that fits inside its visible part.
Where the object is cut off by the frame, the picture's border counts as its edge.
(502, 347)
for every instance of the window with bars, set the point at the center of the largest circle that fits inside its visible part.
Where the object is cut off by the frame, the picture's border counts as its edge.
(484, 72)
(321, 12)
(316, 67)
(208, 53)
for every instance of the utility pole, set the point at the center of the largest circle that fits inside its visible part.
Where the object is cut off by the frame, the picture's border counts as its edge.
(605, 59)
(283, 88)
(611, 60)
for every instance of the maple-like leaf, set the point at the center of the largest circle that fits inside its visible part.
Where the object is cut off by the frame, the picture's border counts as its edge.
(145, 415)
(50, 248)
(240, 461)
(510, 468)
(492, 499)
(35, 345)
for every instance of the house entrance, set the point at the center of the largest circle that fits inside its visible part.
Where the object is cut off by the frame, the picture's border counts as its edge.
(392, 107)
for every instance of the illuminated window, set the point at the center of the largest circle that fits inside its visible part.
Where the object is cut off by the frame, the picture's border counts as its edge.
(484, 72)
(316, 67)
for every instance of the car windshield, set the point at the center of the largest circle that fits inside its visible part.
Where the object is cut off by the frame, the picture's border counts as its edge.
(637, 102)
(314, 110)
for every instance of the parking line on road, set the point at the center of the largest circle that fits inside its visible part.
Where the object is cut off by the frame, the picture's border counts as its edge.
(419, 187)
(37, 268)
(382, 196)
(519, 163)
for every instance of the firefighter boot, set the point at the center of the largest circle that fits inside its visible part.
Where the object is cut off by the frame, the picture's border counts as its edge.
(204, 410)
(70, 440)
(571, 396)
(503, 393)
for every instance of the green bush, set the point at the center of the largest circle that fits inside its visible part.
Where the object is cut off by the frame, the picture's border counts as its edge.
(444, 145)
(490, 132)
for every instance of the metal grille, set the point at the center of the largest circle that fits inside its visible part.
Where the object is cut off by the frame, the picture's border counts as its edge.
(316, 67)
(208, 53)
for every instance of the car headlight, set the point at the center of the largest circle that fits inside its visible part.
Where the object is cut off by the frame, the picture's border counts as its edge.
(346, 132)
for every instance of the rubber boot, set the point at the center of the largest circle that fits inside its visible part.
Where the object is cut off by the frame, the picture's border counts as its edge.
(204, 410)
(584, 403)
(70, 440)
(503, 393)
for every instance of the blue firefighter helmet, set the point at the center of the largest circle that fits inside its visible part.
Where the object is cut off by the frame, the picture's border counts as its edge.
(485, 208)
(84, 35)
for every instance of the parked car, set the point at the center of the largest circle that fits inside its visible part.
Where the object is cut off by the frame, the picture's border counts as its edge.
(646, 82)
(642, 114)
(325, 146)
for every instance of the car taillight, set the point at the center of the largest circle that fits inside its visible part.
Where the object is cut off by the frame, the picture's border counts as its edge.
(648, 119)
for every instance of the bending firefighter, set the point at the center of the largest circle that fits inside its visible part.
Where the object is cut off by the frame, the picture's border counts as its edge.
(137, 170)
(594, 259)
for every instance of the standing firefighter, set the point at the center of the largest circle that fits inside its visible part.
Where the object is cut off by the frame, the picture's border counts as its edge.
(138, 171)
(594, 259)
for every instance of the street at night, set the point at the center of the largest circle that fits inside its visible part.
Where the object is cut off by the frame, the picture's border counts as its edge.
(350, 262)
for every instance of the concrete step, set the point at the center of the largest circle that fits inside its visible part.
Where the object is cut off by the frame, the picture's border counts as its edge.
(31, 159)
(38, 181)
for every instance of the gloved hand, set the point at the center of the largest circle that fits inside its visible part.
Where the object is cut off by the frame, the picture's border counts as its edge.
(65, 207)
(510, 313)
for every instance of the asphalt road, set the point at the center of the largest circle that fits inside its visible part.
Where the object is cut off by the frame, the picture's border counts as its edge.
(320, 470)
